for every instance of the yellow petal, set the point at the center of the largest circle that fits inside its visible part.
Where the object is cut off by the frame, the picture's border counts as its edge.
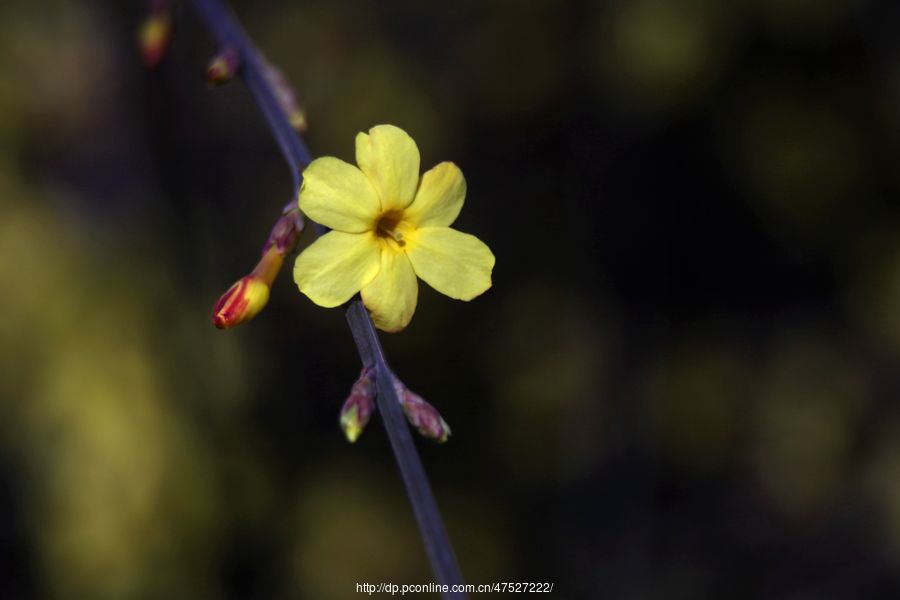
(456, 264)
(440, 197)
(390, 159)
(391, 296)
(338, 195)
(336, 266)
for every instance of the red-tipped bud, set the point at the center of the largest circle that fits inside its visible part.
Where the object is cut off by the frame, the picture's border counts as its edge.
(241, 302)
(154, 36)
(223, 67)
(249, 295)
(422, 415)
(287, 98)
(359, 406)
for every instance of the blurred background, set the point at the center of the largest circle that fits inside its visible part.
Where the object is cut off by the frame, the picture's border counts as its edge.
(682, 385)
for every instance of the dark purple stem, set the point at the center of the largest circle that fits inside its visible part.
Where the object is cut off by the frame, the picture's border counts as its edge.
(228, 34)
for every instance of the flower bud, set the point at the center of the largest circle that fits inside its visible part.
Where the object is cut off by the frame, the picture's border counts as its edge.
(241, 302)
(422, 415)
(249, 295)
(297, 119)
(359, 406)
(154, 35)
(286, 98)
(287, 228)
(223, 67)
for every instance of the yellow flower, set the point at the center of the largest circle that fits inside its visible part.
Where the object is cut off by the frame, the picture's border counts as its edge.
(388, 226)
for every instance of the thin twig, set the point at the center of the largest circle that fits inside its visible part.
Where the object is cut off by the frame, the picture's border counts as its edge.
(229, 34)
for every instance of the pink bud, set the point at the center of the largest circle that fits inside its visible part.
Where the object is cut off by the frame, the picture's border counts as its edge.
(286, 98)
(423, 416)
(359, 406)
(223, 67)
(283, 237)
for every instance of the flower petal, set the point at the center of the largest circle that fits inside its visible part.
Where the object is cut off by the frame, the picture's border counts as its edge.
(338, 195)
(456, 264)
(390, 159)
(440, 197)
(336, 266)
(391, 297)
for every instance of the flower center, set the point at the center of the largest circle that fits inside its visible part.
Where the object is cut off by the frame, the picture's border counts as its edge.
(387, 226)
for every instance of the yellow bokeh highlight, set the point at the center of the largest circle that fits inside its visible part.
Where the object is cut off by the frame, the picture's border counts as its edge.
(120, 488)
(351, 526)
(812, 397)
(550, 412)
(698, 400)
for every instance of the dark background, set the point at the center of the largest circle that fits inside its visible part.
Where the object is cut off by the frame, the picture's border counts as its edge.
(682, 384)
